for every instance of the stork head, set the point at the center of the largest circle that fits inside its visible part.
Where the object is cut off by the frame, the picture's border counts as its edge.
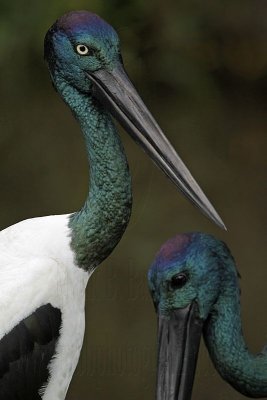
(80, 43)
(186, 279)
(82, 52)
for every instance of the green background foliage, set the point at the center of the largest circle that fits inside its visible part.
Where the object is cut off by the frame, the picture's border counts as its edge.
(201, 67)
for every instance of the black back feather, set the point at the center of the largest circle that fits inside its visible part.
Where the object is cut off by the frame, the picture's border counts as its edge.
(25, 353)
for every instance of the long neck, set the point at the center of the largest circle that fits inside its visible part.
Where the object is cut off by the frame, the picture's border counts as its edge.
(101, 222)
(223, 335)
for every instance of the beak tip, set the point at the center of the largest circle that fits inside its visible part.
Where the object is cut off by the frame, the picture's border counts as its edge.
(212, 214)
(219, 222)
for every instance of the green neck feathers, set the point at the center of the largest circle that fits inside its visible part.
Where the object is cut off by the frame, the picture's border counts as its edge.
(223, 335)
(99, 225)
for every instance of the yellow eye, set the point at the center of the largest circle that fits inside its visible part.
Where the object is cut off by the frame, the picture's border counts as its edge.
(82, 49)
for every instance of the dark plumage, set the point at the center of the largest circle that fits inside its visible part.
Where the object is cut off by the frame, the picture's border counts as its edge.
(25, 353)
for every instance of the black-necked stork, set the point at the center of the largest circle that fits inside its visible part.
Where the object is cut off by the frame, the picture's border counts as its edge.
(195, 287)
(46, 262)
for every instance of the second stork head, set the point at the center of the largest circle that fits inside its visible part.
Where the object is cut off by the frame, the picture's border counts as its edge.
(195, 287)
(186, 278)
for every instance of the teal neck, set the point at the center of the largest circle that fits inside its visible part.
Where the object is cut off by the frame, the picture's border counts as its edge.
(223, 335)
(99, 225)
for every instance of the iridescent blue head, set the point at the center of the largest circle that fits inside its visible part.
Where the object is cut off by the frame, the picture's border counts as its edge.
(78, 43)
(190, 267)
(185, 280)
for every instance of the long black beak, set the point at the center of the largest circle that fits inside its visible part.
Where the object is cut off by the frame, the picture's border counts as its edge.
(178, 343)
(115, 90)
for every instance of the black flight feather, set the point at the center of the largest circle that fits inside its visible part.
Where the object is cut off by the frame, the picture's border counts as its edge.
(25, 353)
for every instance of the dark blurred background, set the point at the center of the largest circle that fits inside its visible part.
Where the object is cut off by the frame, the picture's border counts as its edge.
(201, 67)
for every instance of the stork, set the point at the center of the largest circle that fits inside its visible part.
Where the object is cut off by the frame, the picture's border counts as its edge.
(45, 262)
(194, 284)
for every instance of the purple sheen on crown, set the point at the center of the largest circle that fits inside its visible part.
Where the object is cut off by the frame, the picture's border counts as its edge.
(82, 21)
(173, 249)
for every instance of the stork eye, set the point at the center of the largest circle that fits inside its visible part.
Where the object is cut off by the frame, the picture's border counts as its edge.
(178, 280)
(82, 49)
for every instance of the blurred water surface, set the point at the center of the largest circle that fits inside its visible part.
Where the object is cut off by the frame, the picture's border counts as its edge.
(201, 67)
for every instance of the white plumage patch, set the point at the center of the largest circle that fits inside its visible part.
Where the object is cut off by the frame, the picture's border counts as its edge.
(37, 267)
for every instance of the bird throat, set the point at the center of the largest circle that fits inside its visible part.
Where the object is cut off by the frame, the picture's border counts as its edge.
(99, 225)
(223, 335)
